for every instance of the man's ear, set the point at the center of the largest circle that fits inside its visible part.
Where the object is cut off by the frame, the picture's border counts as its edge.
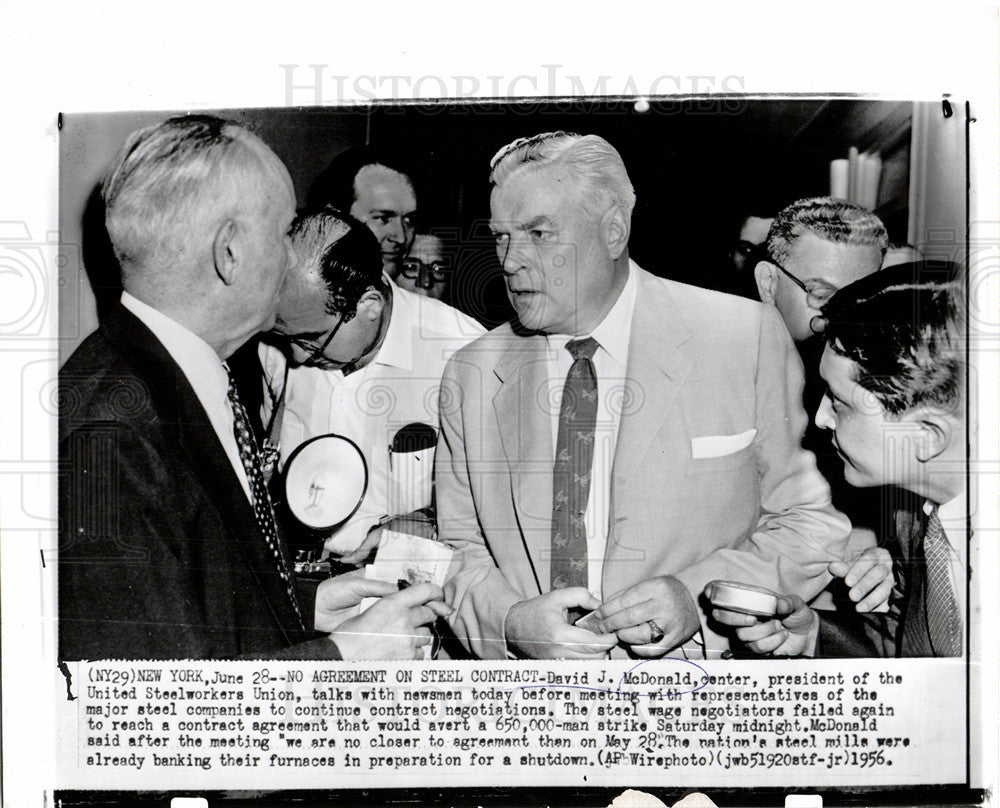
(936, 431)
(616, 224)
(370, 304)
(767, 280)
(225, 252)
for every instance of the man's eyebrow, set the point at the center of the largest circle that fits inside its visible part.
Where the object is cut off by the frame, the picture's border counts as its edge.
(537, 222)
(392, 212)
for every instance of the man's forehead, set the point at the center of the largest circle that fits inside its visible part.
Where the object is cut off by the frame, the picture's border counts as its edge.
(836, 263)
(754, 229)
(424, 246)
(386, 185)
(533, 194)
(838, 371)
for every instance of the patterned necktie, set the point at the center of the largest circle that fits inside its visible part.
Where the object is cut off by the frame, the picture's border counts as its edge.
(572, 471)
(943, 621)
(262, 509)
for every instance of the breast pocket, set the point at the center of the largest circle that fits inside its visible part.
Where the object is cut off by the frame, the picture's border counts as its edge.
(721, 464)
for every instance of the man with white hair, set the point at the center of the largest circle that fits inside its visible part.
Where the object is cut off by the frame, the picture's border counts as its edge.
(168, 542)
(623, 442)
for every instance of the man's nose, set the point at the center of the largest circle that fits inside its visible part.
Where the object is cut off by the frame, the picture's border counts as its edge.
(511, 255)
(824, 414)
(396, 232)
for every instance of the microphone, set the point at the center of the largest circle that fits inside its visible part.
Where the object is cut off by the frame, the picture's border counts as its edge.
(413, 437)
(411, 465)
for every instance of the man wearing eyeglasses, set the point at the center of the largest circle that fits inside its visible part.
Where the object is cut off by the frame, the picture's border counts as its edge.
(364, 359)
(815, 247)
(427, 268)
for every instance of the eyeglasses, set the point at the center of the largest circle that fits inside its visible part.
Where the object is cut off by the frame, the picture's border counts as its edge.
(818, 294)
(317, 353)
(415, 268)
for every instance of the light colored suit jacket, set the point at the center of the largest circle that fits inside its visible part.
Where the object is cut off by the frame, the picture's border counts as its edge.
(701, 365)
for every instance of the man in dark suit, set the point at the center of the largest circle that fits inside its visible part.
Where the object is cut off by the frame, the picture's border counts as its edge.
(895, 409)
(168, 543)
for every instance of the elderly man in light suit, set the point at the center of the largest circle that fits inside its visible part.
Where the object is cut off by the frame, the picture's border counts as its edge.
(687, 404)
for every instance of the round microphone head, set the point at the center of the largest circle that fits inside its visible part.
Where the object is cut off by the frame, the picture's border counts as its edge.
(325, 481)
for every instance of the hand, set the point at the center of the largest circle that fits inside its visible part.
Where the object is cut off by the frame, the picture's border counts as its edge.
(869, 577)
(395, 626)
(539, 628)
(366, 548)
(791, 632)
(663, 600)
(337, 598)
(417, 523)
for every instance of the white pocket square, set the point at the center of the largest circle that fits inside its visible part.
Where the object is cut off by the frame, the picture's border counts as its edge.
(720, 445)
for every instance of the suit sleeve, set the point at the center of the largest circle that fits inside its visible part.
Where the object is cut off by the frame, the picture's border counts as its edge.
(476, 589)
(798, 531)
(856, 635)
(125, 589)
(145, 569)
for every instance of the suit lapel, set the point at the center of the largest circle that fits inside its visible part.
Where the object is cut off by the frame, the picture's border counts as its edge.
(525, 431)
(657, 366)
(196, 437)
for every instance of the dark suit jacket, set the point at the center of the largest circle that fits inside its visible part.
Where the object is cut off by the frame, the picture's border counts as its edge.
(902, 632)
(160, 555)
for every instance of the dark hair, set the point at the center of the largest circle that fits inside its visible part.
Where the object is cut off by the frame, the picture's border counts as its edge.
(346, 252)
(901, 327)
(335, 184)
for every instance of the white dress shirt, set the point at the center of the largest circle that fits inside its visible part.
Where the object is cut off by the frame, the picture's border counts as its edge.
(399, 386)
(610, 365)
(203, 369)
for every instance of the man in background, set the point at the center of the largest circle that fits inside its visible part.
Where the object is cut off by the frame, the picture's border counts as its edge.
(374, 187)
(751, 234)
(815, 247)
(169, 546)
(895, 413)
(427, 269)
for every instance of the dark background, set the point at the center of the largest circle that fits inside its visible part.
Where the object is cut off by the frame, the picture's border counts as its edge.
(697, 165)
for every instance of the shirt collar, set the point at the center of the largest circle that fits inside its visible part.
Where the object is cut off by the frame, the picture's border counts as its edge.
(952, 513)
(196, 358)
(613, 332)
(397, 346)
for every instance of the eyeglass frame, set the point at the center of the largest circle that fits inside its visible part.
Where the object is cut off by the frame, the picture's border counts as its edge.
(814, 301)
(319, 352)
(439, 270)
(818, 323)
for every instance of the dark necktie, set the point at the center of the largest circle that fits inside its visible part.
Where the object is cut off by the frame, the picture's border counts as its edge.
(572, 471)
(262, 509)
(943, 621)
